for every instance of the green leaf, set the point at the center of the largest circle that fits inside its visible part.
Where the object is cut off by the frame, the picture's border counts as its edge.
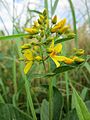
(88, 104)
(44, 114)
(82, 111)
(57, 104)
(8, 112)
(72, 115)
(11, 37)
(84, 93)
(87, 66)
(65, 68)
(59, 40)
(1, 99)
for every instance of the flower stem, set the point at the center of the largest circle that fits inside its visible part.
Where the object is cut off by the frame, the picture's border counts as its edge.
(50, 100)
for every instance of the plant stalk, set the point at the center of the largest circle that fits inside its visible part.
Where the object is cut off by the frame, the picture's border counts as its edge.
(50, 100)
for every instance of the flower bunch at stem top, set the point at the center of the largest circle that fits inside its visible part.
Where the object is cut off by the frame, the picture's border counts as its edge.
(44, 34)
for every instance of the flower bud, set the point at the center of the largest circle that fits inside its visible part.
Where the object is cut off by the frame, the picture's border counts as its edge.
(41, 17)
(80, 52)
(40, 21)
(21, 59)
(45, 12)
(42, 33)
(38, 58)
(25, 46)
(58, 26)
(54, 20)
(63, 30)
(71, 35)
(78, 60)
(54, 29)
(36, 24)
(31, 30)
(61, 23)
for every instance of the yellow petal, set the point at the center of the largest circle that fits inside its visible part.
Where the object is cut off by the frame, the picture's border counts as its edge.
(27, 67)
(60, 58)
(28, 54)
(56, 62)
(58, 48)
(61, 23)
(68, 60)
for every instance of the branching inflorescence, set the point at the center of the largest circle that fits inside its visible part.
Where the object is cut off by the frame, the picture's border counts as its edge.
(44, 34)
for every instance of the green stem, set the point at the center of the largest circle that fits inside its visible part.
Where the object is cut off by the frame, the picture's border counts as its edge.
(14, 80)
(50, 100)
(67, 90)
(74, 22)
(30, 99)
(43, 59)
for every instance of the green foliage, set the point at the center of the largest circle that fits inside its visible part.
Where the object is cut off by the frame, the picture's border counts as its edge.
(44, 114)
(8, 112)
(57, 104)
(80, 106)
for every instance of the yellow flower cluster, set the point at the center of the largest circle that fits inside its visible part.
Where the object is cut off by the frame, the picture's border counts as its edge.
(45, 38)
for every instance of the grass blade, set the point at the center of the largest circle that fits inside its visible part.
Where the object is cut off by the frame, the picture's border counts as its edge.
(54, 6)
(74, 22)
(11, 37)
(80, 106)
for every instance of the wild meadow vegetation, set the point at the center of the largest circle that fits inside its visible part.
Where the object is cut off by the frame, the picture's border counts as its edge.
(45, 67)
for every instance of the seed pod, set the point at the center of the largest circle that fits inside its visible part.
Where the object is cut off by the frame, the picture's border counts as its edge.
(31, 30)
(54, 20)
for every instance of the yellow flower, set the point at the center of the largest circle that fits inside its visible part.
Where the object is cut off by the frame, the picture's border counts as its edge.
(29, 59)
(59, 25)
(54, 50)
(64, 29)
